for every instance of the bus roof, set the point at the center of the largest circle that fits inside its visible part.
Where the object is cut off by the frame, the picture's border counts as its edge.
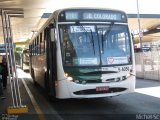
(57, 14)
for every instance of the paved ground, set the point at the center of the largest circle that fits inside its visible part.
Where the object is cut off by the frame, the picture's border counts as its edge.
(138, 105)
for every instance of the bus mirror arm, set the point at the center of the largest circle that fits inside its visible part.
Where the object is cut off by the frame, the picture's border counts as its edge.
(132, 36)
(52, 25)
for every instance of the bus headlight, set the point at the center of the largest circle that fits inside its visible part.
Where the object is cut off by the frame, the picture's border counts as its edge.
(69, 78)
(118, 79)
(76, 81)
(84, 82)
(124, 77)
(128, 75)
(66, 74)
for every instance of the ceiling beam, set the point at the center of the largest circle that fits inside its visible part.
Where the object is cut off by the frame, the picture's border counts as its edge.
(12, 11)
(153, 31)
(151, 16)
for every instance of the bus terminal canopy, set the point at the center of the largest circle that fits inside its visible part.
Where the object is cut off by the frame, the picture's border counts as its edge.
(35, 14)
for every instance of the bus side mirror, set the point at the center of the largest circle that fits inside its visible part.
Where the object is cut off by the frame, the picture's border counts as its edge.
(53, 38)
(52, 25)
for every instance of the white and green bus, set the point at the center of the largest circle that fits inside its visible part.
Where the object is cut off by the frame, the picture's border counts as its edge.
(84, 53)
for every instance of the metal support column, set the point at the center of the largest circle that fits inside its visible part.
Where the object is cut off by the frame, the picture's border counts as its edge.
(13, 78)
(139, 26)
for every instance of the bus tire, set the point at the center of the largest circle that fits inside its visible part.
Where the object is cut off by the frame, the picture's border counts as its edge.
(53, 98)
(47, 88)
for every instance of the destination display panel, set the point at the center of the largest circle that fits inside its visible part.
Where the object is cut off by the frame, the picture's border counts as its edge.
(92, 15)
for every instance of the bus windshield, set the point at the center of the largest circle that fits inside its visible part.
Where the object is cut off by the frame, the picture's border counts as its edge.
(95, 45)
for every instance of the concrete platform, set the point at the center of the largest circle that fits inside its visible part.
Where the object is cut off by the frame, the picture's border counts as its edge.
(5, 103)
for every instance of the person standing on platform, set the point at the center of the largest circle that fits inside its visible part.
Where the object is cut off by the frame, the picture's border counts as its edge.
(4, 72)
(1, 82)
(1, 88)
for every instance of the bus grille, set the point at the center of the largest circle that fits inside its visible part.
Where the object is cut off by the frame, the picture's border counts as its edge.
(93, 81)
(93, 91)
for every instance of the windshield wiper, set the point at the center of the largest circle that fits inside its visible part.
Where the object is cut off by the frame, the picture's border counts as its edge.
(102, 51)
(109, 29)
(92, 41)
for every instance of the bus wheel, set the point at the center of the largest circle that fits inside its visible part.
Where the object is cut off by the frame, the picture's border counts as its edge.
(52, 95)
(53, 98)
(46, 82)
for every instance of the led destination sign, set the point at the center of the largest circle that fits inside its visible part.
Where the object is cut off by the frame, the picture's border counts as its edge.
(102, 16)
(71, 15)
(95, 15)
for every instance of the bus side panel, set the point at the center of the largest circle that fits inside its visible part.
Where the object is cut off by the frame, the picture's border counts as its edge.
(38, 68)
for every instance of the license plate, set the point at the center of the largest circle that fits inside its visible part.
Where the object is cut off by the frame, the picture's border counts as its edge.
(102, 88)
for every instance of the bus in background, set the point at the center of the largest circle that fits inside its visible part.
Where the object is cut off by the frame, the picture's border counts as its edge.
(25, 60)
(143, 49)
(84, 53)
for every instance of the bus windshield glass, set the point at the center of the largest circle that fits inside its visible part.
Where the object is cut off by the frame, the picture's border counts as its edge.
(95, 45)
